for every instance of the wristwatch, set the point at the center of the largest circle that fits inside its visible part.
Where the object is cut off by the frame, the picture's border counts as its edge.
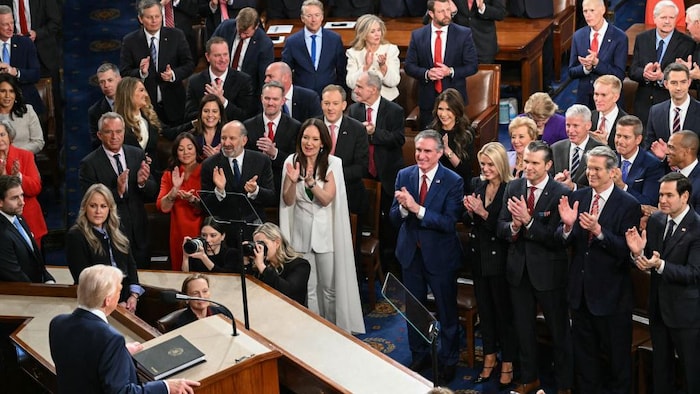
(449, 155)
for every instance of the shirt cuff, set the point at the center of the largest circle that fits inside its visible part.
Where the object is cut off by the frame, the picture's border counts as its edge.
(660, 269)
(137, 289)
(421, 213)
(219, 196)
(403, 211)
(254, 194)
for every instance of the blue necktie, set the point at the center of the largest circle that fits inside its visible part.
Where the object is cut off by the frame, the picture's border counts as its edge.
(236, 172)
(660, 51)
(154, 54)
(285, 110)
(625, 170)
(24, 234)
(575, 160)
(313, 50)
(5, 54)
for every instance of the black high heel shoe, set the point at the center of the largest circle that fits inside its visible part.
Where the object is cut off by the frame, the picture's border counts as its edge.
(506, 386)
(484, 379)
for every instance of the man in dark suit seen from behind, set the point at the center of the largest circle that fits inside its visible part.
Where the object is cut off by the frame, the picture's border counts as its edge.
(124, 169)
(284, 9)
(20, 257)
(185, 13)
(427, 204)
(537, 267)
(639, 171)
(233, 88)
(481, 17)
(299, 102)
(449, 68)
(90, 355)
(108, 78)
(251, 49)
(237, 170)
(272, 132)
(654, 50)
(670, 250)
(606, 93)
(350, 144)
(161, 57)
(594, 222)
(680, 112)
(683, 155)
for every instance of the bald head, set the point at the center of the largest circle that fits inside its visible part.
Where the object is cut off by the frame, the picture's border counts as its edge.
(279, 72)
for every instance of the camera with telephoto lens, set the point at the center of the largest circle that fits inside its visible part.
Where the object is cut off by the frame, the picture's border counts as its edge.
(249, 248)
(193, 245)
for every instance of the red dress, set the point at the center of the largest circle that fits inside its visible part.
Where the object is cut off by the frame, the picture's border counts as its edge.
(31, 185)
(185, 219)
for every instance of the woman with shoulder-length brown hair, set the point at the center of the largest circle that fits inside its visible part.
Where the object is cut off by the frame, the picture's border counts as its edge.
(141, 124)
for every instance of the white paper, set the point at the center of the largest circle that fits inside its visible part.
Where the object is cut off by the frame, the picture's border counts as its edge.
(280, 29)
(340, 25)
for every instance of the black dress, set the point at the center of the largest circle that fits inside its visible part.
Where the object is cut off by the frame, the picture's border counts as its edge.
(464, 168)
(188, 316)
(227, 260)
(291, 281)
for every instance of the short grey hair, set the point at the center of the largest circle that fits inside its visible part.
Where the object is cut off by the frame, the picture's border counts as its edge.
(663, 4)
(579, 110)
(146, 4)
(604, 151)
(9, 128)
(104, 67)
(109, 115)
(374, 79)
(693, 13)
(430, 134)
(97, 282)
(6, 10)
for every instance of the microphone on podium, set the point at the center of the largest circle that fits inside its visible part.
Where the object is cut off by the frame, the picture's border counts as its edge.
(172, 297)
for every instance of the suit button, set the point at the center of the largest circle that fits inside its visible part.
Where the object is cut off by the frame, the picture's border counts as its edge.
(493, 252)
(493, 238)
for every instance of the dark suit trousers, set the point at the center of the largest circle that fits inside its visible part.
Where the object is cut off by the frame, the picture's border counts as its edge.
(667, 341)
(611, 334)
(496, 315)
(444, 287)
(553, 303)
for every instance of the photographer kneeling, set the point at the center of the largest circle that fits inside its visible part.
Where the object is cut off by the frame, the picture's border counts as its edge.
(208, 252)
(276, 263)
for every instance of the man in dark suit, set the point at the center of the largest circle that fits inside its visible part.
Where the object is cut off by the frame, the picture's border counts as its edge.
(210, 10)
(537, 267)
(427, 204)
(23, 62)
(606, 93)
(126, 172)
(384, 125)
(349, 143)
(256, 51)
(234, 88)
(651, 58)
(692, 22)
(436, 72)
(237, 170)
(90, 355)
(594, 222)
(272, 132)
(683, 155)
(670, 250)
(569, 165)
(639, 171)
(399, 8)
(351, 8)
(315, 55)
(597, 49)
(284, 9)
(108, 78)
(481, 18)
(20, 257)
(162, 75)
(680, 112)
(299, 102)
(185, 13)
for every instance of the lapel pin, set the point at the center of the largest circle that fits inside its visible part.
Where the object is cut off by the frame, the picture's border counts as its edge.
(437, 181)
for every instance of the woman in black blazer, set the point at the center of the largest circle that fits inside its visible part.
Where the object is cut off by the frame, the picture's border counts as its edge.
(489, 254)
(95, 238)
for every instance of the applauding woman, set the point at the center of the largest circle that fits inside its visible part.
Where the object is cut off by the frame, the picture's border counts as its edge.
(13, 108)
(95, 238)
(314, 217)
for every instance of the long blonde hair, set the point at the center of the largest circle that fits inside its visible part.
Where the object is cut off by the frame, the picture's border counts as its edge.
(119, 240)
(497, 153)
(362, 27)
(124, 106)
(285, 253)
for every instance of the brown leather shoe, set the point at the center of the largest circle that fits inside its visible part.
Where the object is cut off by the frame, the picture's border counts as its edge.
(525, 388)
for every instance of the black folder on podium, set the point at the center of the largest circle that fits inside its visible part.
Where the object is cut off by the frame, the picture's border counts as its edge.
(168, 358)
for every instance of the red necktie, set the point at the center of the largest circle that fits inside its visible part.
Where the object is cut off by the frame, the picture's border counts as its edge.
(334, 137)
(270, 132)
(169, 16)
(602, 123)
(24, 29)
(594, 212)
(470, 3)
(218, 82)
(677, 120)
(423, 189)
(438, 58)
(372, 168)
(237, 54)
(594, 43)
(224, 10)
(531, 200)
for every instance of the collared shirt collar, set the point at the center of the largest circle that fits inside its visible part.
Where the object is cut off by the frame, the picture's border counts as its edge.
(678, 219)
(541, 185)
(213, 77)
(431, 175)
(605, 194)
(97, 312)
(631, 159)
(689, 168)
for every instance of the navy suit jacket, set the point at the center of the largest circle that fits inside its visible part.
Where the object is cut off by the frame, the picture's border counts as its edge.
(612, 59)
(238, 90)
(258, 56)
(675, 294)
(436, 231)
(643, 177)
(19, 262)
(212, 20)
(695, 181)
(94, 113)
(46, 22)
(91, 357)
(399, 8)
(612, 128)
(305, 104)
(174, 51)
(332, 61)
(599, 274)
(658, 125)
(483, 26)
(460, 53)
(23, 56)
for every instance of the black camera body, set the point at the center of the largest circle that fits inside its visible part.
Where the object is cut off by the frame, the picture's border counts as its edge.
(249, 248)
(193, 245)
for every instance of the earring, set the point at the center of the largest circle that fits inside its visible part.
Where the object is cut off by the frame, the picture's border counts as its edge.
(320, 150)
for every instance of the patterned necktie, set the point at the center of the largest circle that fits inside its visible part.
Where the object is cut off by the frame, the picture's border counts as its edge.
(575, 160)
(313, 50)
(670, 226)
(677, 120)
(594, 43)
(625, 169)
(371, 167)
(154, 54)
(236, 172)
(169, 15)
(594, 212)
(660, 51)
(23, 233)
(602, 123)
(23, 27)
(270, 131)
(120, 168)
(5, 54)
(531, 200)
(423, 190)
(438, 57)
(334, 137)
(237, 54)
